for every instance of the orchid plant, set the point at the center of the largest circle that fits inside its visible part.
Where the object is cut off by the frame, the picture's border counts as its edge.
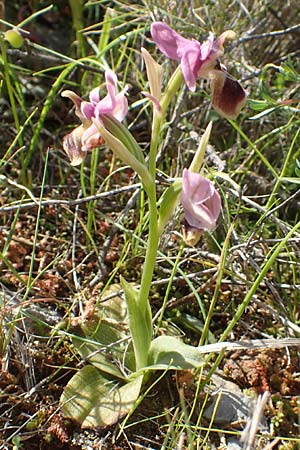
(105, 401)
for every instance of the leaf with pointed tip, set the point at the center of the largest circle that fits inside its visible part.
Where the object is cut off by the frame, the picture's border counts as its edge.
(169, 352)
(168, 202)
(140, 323)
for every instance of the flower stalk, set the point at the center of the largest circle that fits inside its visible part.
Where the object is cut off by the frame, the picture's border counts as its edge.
(155, 231)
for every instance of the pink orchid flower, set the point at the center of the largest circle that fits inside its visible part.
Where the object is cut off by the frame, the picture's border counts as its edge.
(86, 136)
(200, 200)
(201, 61)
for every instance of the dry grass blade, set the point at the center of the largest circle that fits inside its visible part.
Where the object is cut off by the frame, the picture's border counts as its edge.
(255, 344)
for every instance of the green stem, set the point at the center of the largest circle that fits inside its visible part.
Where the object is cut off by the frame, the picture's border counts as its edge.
(272, 197)
(77, 17)
(142, 345)
(7, 77)
(151, 252)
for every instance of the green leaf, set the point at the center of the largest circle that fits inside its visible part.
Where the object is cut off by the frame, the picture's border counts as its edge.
(102, 339)
(168, 203)
(97, 344)
(140, 323)
(258, 105)
(154, 74)
(105, 32)
(197, 161)
(95, 401)
(170, 352)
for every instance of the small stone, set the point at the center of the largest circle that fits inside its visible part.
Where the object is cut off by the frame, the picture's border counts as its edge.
(233, 444)
(232, 405)
(230, 408)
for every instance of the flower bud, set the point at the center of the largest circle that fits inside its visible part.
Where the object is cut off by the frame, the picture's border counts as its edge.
(14, 38)
(200, 200)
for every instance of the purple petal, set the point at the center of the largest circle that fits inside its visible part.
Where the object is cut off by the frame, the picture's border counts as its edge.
(214, 204)
(200, 218)
(211, 51)
(105, 106)
(94, 95)
(196, 187)
(168, 41)
(111, 83)
(153, 99)
(86, 136)
(108, 103)
(121, 107)
(200, 200)
(190, 64)
(209, 54)
(207, 47)
(117, 105)
(88, 110)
